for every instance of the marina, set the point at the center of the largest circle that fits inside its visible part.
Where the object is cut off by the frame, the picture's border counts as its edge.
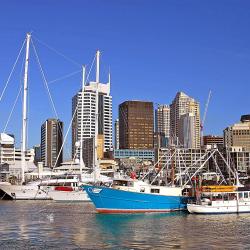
(125, 125)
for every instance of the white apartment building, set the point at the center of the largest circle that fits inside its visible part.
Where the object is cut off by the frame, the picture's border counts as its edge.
(183, 104)
(88, 113)
(9, 154)
(7, 148)
(162, 120)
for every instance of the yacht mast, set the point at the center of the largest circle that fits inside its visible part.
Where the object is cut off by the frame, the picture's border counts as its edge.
(24, 114)
(81, 136)
(96, 114)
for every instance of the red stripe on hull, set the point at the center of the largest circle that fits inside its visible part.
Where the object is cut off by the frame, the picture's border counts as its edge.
(132, 211)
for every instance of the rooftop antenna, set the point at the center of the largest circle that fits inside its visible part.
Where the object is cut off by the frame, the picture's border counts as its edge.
(97, 66)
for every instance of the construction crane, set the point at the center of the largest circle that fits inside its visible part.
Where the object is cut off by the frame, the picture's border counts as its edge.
(204, 115)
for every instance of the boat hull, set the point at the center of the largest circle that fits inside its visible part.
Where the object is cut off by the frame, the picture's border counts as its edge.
(18, 192)
(109, 200)
(75, 195)
(219, 209)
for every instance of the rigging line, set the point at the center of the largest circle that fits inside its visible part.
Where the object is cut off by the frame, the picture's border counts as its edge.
(70, 124)
(64, 140)
(8, 120)
(57, 52)
(64, 77)
(12, 70)
(18, 94)
(44, 79)
(47, 87)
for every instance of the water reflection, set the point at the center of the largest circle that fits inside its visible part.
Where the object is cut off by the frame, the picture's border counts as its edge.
(28, 224)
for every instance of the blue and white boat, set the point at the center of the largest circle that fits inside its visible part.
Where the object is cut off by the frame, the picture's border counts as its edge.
(136, 196)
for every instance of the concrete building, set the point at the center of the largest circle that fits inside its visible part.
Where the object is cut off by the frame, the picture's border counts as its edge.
(141, 154)
(88, 150)
(7, 148)
(136, 125)
(187, 129)
(160, 141)
(183, 104)
(240, 159)
(186, 155)
(51, 143)
(29, 155)
(238, 135)
(162, 120)
(117, 134)
(213, 140)
(10, 159)
(37, 150)
(9, 153)
(88, 113)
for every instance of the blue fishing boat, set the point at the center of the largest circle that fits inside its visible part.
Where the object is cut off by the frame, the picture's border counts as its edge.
(136, 196)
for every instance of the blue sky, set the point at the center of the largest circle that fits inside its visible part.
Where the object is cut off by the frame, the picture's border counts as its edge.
(154, 48)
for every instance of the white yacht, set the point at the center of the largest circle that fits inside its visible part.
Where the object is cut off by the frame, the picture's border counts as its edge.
(221, 203)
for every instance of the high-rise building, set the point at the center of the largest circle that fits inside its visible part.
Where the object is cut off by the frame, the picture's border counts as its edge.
(88, 112)
(136, 125)
(162, 120)
(183, 104)
(238, 135)
(117, 134)
(162, 126)
(186, 131)
(51, 142)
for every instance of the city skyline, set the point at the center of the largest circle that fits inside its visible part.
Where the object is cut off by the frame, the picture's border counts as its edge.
(153, 66)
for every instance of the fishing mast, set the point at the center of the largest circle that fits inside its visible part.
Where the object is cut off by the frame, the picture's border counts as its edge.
(24, 113)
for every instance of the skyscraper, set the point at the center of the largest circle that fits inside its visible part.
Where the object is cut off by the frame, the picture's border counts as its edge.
(162, 122)
(51, 142)
(117, 134)
(136, 125)
(186, 130)
(88, 111)
(162, 115)
(183, 104)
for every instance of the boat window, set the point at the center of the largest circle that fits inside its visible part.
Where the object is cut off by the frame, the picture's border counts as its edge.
(120, 183)
(130, 184)
(155, 190)
(245, 195)
(240, 195)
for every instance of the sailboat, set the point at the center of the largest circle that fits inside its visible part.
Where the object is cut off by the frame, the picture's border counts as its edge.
(75, 192)
(31, 191)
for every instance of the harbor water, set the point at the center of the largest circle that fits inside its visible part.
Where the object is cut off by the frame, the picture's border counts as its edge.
(52, 225)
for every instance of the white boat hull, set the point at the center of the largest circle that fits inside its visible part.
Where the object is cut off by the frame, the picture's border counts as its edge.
(75, 195)
(220, 208)
(25, 192)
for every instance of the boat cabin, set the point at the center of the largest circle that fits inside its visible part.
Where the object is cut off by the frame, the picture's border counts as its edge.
(143, 187)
